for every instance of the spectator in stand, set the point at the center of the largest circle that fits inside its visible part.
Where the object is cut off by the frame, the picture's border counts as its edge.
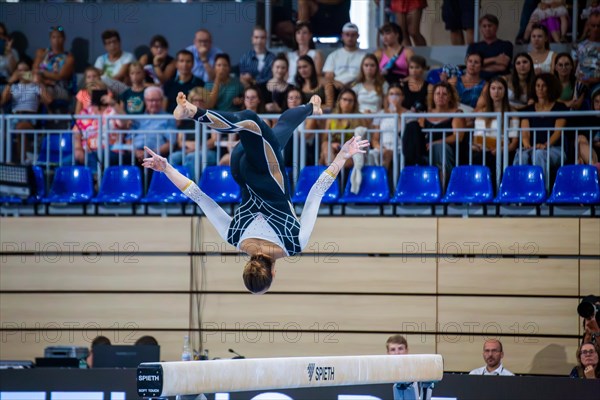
(132, 100)
(204, 55)
(497, 53)
(303, 45)
(146, 340)
(585, 15)
(370, 86)
(588, 366)
(458, 15)
(310, 84)
(293, 100)
(596, 132)
(184, 81)
(8, 56)
(342, 66)
(56, 67)
(588, 54)
(543, 58)
(159, 66)
(415, 88)
(84, 97)
(408, 14)
(114, 63)
(393, 56)
(573, 92)
(546, 143)
(226, 92)
(255, 65)
(275, 89)
(493, 355)
(470, 84)
(521, 81)
(383, 141)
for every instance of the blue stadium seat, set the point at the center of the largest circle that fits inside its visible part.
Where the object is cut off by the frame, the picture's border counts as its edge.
(51, 149)
(418, 185)
(469, 184)
(307, 178)
(576, 184)
(218, 183)
(374, 188)
(162, 190)
(522, 184)
(71, 184)
(120, 184)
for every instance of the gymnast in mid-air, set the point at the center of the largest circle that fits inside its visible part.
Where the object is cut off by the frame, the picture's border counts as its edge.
(265, 225)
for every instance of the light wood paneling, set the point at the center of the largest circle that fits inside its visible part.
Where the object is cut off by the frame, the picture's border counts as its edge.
(590, 277)
(105, 271)
(590, 236)
(206, 239)
(313, 312)
(125, 235)
(52, 311)
(332, 273)
(536, 276)
(509, 236)
(508, 315)
(522, 355)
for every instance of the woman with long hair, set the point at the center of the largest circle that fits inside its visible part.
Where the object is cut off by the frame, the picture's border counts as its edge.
(588, 366)
(370, 86)
(159, 66)
(309, 82)
(393, 56)
(520, 81)
(573, 92)
(274, 90)
(383, 141)
(542, 56)
(415, 87)
(304, 46)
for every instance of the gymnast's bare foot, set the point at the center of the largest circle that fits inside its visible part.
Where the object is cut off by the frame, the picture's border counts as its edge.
(316, 102)
(184, 109)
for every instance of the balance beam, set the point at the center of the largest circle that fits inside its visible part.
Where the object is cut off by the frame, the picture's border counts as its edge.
(193, 377)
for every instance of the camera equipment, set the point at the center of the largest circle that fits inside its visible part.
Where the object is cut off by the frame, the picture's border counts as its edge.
(97, 96)
(588, 307)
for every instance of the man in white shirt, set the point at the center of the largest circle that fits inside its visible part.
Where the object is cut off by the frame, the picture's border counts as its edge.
(343, 65)
(492, 355)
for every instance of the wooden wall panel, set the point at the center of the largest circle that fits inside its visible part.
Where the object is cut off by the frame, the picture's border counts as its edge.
(535, 276)
(590, 236)
(522, 355)
(509, 236)
(52, 311)
(304, 312)
(589, 277)
(95, 234)
(110, 272)
(331, 273)
(508, 315)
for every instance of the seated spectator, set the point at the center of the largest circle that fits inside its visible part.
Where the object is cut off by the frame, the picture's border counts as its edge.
(326, 16)
(56, 67)
(98, 341)
(275, 89)
(184, 81)
(573, 92)
(370, 86)
(293, 100)
(85, 131)
(157, 142)
(204, 55)
(583, 137)
(408, 15)
(458, 16)
(342, 65)
(415, 87)
(146, 340)
(159, 66)
(84, 97)
(393, 56)
(416, 145)
(186, 142)
(303, 45)
(588, 366)
(389, 130)
(521, 81)
(8, 56)
(588, 53)
(255, 65)
(310, 84)
(114, 63)
(497, 53)
(132, 100)
(470, 84)
(547, 143)
(492, 355)
(553, 15)
(226, 92)
(585, 15)
(542, 56)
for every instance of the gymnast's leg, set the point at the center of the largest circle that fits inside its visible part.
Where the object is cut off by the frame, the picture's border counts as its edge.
(291, 118)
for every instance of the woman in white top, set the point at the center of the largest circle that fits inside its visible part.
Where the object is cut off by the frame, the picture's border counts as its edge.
(542, 56)
(387, 140)
(303, 45)
(370, 86)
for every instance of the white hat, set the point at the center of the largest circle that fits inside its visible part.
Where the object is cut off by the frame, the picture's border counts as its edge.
(350, 27)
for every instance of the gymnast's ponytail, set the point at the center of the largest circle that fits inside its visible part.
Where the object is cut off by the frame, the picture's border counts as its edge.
(258, 274)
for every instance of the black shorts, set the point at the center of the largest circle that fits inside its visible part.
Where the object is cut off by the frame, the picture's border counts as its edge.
(458, 15)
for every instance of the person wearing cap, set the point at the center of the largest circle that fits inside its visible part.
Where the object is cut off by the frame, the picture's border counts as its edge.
(343, 65)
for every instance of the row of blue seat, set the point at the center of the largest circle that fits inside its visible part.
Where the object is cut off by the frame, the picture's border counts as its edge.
(575, 184)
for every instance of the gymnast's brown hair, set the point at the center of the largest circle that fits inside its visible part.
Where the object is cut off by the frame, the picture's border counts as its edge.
(258, 273)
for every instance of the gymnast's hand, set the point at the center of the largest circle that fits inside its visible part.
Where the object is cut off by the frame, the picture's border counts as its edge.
(184, 109)
(354, 146)
(155, 162)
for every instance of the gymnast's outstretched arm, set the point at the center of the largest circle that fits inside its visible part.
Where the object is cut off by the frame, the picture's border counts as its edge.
(215, 214)
(313, 201)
